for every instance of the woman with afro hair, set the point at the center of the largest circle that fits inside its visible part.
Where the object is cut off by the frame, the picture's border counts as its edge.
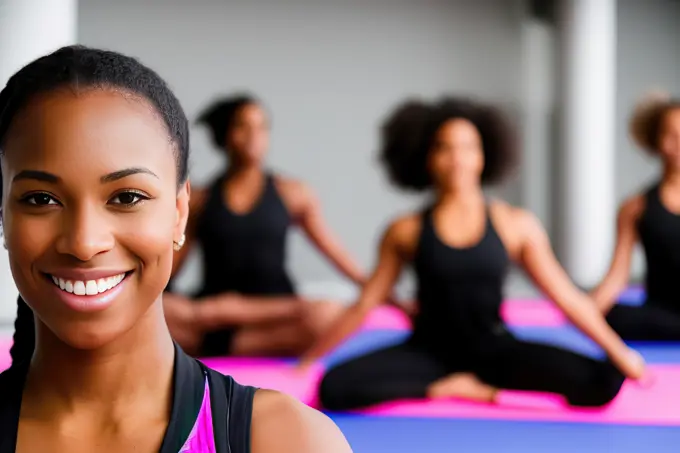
(653, 219)
(248, 303)
(460, 247)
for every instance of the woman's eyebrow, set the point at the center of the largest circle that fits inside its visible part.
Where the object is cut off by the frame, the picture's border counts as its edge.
(120, 174)
(37, 175)
(44, 176)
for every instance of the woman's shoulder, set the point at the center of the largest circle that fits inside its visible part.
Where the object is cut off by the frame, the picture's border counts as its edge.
(405, 228)
(267, 421)
(634, 206)
(281, 423)
(198, 197)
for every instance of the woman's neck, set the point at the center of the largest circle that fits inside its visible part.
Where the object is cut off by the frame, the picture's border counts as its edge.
(460, 197)
(671, 178)
(244, 172)
(138, 367)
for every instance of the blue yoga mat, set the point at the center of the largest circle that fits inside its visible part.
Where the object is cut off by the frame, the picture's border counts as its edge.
(410, 435)
(565, 336)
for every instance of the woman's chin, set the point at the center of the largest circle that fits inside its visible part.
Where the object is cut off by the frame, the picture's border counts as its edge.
(86, 336)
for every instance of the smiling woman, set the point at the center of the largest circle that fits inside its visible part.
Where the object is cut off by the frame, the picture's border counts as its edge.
(75, 283)
(94, 150)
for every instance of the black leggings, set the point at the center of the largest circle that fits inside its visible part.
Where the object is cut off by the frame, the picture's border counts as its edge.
(645, 323)
(405, 371)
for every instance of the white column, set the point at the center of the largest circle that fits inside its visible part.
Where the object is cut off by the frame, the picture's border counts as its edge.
(28, 30)
(587, 164)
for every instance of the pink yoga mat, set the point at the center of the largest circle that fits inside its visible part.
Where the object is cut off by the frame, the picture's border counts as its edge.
(271, 374)
(387, 317)
(658, 404)
(5, 359)
(531, 313)
(514, 312)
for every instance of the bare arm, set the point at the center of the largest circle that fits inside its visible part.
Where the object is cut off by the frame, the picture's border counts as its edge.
(222, 310)
(619, 271)
(376, 291)
(307, 210)
(281, 424)
(539, 261)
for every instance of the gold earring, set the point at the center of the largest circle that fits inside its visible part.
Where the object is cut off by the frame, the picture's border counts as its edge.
(177, 245)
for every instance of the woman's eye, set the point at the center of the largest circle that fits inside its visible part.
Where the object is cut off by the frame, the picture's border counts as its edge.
(40, 199)
(128, 198)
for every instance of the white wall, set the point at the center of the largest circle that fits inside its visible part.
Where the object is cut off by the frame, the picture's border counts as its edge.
(329, 71)
(539, 88)
(20, 44)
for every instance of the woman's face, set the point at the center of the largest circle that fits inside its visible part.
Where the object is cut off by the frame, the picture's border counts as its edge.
(90, 211)
(248, 135)
(669, 141)
(456, 159)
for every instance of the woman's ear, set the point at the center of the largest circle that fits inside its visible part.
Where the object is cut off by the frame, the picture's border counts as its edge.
(183, 196)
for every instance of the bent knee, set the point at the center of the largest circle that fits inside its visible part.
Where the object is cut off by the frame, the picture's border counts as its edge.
(337, 391)
(599, 391)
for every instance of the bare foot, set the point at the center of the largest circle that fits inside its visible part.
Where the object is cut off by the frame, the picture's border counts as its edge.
(462, 385)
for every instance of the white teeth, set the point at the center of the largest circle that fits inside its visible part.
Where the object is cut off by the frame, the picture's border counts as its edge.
(101, 285)
(89, 287)
(79, 288)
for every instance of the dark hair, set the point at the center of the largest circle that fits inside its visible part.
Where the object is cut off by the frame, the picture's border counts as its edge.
(219, 116)
(409, 132)
(647, 119)
(78, 68)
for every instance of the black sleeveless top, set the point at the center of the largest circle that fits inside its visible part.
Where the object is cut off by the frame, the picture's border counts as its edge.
(245, 253)
(210, 411)
(659, 231)
(460, 290)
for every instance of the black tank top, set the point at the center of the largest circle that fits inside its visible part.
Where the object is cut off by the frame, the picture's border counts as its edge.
(460, 290)
(207, 406)
(659, 232)
(245, 253)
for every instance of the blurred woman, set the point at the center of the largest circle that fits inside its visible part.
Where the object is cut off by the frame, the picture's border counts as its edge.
(248, 304)
(651, 218)
(461, 246)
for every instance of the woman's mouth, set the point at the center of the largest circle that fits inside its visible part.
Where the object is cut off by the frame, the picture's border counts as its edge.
(88, 287)
(90, 291)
